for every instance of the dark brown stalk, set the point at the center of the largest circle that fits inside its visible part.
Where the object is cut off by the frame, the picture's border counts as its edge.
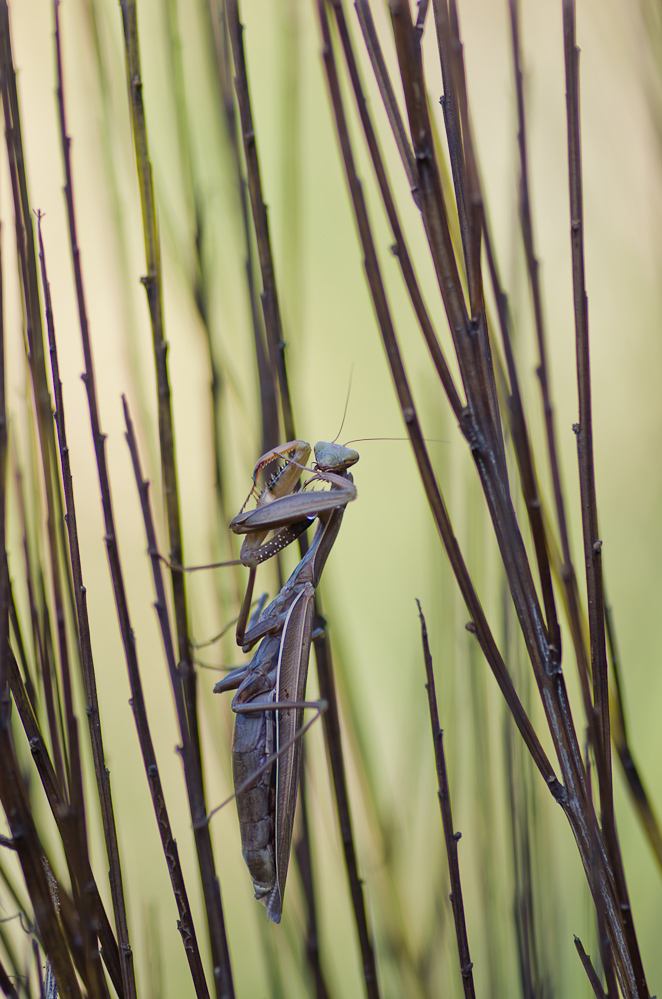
(375, 283)
(59, 806)
(223, 63)
(448, 29)
(331, 723)
(568, 574)
(31, 854)
(304, 860)
(451, 838)
(153, 284)
(592, 542)
(383, 79)
(525, 463)
(474, 352)
(270, 305)
(400, 248)
(185, 679)
(591, 973)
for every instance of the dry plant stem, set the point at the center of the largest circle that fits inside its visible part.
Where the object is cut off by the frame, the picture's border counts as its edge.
(592, 543)
(375, 283)
(457, 901)
(584, 430)
(481, 389)
(524, 456)
(383, 79)
(30, 853)
(270, 305)
(223, 61)
(75, 816)
(58, 805)
(185, 677)
(331, 722)
(400, 248)
(304, 860)
(154, 290)
(198, 275)
(568, 574)
(591, 973)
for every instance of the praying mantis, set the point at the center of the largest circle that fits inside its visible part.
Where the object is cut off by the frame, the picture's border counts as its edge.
(269, 702)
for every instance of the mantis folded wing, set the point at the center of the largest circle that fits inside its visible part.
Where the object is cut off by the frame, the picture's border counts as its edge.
(277, 675)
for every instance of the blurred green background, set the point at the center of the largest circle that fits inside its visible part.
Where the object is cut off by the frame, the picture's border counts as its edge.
(388, 552)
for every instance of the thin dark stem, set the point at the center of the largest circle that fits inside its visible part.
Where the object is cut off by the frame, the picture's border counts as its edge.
(400, 249)
(591, 973)
(58, 805)
(270, 304)
(592, 542)
(304, 860)
(523, 453)
(383, 79)
(451, 838)
(332, 732)
(153, 283)
(223, 62)
(568, 574)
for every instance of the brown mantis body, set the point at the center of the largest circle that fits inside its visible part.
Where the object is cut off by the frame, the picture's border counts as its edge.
(266, 742)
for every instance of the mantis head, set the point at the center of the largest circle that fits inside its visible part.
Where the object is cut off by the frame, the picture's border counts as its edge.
(334, 457)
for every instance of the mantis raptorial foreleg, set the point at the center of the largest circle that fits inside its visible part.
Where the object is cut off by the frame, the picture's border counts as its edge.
(277, 674)
(286, 513)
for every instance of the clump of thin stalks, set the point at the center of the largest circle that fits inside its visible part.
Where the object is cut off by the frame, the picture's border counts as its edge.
(373, 907)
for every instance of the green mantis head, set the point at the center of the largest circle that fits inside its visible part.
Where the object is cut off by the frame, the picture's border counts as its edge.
(334, 457)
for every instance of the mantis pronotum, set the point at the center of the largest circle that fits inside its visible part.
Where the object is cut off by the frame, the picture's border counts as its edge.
(276, 675)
